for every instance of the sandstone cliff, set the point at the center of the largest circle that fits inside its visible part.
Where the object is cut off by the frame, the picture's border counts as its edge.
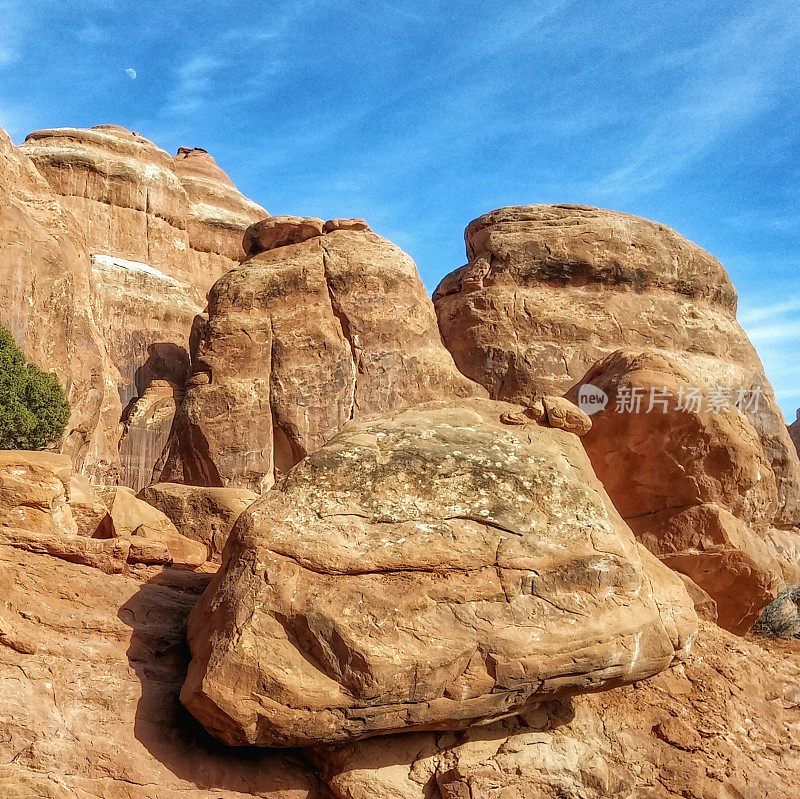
(47, 302)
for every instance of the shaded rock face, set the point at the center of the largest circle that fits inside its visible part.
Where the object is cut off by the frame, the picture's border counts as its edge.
(694, 485)
(551, 289)
(158, 232)
(298, 340)
(794, 432)
(90, 668)
(724, 724)
(146, 430)
(426, 569)
(203, 514)
(46, 284)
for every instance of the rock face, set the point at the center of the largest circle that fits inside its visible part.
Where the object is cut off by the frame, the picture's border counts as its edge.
(90, 668)
(158, 231)
(725, 724)
(146, 430)
(551, 289)
(45, 284)
(794, 432)
(206, 515)
(426, 569)
(693, 483)
(300, 339)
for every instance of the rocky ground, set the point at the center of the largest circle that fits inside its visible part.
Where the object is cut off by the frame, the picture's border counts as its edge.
(91, 666)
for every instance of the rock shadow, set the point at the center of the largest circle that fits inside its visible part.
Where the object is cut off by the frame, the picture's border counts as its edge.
(159, 655)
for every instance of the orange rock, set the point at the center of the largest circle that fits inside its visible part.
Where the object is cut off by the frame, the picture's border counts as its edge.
(428, 568)
(694, 485)
(300, 339)
(46, 284)
(551, 289)
(280, 231)
(203, 514)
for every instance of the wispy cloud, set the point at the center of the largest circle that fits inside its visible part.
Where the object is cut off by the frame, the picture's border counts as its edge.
(771, 311)
(732, 79)
(15, 22)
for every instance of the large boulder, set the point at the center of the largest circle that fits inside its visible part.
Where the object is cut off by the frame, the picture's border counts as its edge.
(203, 514)
(551, 289)
(46, 285)
(299, 339)
(689, 476)
(427, 569)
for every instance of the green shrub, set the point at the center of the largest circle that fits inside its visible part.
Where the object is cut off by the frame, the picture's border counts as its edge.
(781, 618)
(33, 408)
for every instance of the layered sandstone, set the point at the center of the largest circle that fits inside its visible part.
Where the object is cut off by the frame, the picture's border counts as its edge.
(218, 215)
(154, 538)
(724, 724)
(312, 330)
(551, 289)
(690, 478)
(427, 569)
(90, 669)
(46, 285)
(158, 232)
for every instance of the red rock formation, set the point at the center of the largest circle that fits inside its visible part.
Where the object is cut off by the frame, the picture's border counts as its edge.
(299, 339)
(46, 285)
(426, 569)
(693, 483)
(217, 217)
(551, 289)
(724, 724)
(159, 231)
(90, 668)
(203, 514)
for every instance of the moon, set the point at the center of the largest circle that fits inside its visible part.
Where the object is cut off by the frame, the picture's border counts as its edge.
(131, 73)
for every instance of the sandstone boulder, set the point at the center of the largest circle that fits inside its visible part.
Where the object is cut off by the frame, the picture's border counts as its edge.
(88, 509)
(690, 479)
(45, 284)
(551, 289)
(202, 514)
(298, 340)
(134, 518)
(34, 492)
(278, 231)
(426, 569)
(345, 224)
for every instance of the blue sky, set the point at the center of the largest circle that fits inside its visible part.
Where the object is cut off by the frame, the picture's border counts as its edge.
(420, 116)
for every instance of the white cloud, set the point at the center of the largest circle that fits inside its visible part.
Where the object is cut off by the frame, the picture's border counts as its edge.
(732, 79)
